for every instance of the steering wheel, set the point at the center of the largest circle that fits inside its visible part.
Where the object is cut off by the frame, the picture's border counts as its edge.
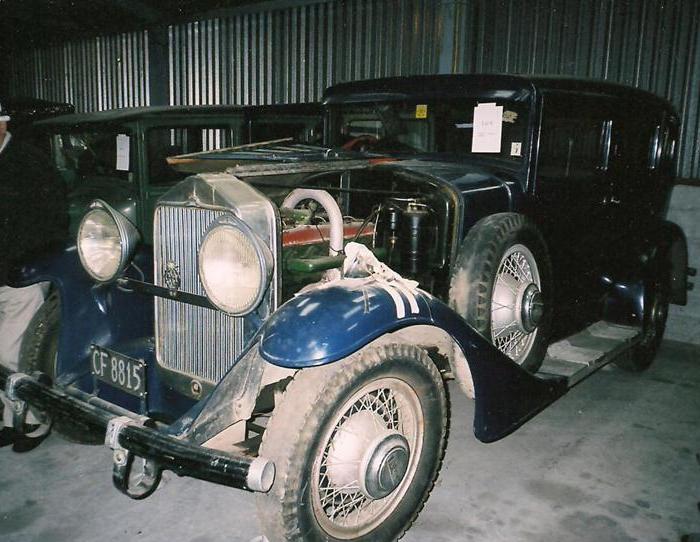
(361, 143)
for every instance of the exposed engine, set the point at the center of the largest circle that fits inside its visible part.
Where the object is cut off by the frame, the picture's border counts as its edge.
(402, 232)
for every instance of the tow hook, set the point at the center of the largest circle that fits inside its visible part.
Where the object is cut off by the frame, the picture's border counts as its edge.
(19, 407)
(135, 476)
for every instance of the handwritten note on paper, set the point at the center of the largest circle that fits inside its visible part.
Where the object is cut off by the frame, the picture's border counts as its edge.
(488, 119)
(122, 152)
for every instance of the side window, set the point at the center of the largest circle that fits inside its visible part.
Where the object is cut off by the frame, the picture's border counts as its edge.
(85, 155)
(570, 147)
(635, 145)
(163, 142)
(662, 147)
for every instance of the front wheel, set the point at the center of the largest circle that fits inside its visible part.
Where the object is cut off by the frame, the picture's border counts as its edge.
(357, 446)
(39, 352)
(502, 285)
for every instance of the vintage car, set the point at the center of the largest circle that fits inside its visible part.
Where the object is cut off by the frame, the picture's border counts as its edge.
(120, 155)
(291, 327)
(24, 111)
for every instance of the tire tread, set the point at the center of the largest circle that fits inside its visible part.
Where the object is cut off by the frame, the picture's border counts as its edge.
(301, 408)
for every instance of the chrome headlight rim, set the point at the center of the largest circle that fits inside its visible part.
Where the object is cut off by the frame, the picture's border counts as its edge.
(264, 259)
(128, 239)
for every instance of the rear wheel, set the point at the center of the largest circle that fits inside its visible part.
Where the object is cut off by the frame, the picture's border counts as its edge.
(656, 304)
(357, 446)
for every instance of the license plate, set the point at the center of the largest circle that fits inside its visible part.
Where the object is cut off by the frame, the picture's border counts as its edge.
(127, 374)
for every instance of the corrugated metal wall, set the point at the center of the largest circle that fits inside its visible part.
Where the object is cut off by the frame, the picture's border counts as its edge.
(100, 73)
(290, 54)
(651, 44)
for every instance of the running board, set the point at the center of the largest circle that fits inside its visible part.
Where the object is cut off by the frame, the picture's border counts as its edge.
(583, 353)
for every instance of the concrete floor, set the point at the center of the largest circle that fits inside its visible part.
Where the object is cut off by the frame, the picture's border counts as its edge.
(614, 460)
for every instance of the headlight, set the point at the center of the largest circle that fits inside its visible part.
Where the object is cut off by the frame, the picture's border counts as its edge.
(234, 267)
(106, 240)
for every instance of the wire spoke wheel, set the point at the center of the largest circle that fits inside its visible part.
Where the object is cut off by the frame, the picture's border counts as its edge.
(373, 446)
(357, 446)
(501, 284)
(514, 317)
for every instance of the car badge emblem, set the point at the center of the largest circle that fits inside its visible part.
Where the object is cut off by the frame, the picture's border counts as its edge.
(171, 277)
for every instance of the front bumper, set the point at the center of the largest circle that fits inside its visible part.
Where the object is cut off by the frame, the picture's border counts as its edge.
(130, 436)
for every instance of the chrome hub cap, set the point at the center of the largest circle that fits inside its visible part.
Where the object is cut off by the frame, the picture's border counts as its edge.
(532, 309)
(517, 305)
(369, 457)
(368, 453)
(384, 465)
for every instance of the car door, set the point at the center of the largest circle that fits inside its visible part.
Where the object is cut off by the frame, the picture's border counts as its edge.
(571, 188)
(637, 184)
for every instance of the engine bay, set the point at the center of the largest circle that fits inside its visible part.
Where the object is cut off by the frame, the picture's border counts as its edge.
(403, 219)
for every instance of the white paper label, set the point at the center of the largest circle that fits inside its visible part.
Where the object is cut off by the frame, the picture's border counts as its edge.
(516, 148)
(122, 152)
(488, 120)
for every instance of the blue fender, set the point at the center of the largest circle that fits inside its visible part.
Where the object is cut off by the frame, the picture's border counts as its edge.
(327, 324)
(88, 309)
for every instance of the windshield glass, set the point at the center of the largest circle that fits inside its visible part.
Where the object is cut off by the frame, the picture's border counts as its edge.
(88, 154)
(495, 129)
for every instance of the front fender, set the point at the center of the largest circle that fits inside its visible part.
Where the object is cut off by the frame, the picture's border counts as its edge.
(90, 313)
(329, 323)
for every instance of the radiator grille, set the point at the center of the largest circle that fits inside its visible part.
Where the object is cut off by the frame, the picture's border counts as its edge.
(194, 340)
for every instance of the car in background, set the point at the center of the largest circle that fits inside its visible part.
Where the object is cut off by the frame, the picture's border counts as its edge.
(24, 111)
(288, 326)
(120, 155)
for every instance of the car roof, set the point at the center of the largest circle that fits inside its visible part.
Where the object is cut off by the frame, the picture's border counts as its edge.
(487, 85)
(154, 112)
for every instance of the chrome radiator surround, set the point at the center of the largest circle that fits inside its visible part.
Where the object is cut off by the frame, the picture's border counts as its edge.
(201, 342)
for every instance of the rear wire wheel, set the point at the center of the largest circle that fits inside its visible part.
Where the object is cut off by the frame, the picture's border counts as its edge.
(357, 446)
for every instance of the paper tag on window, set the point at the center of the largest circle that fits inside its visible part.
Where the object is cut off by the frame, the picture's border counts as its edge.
(516, 148)
(122, 152)
(488, 120)
(422, 111)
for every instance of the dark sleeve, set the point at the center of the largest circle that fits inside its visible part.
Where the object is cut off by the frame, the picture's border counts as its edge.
(38, 216)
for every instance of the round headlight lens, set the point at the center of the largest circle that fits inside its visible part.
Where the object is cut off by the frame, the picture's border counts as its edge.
(232, 269)
(99, 244)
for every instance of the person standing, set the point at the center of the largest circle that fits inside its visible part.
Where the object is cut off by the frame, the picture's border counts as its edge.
(33, 214)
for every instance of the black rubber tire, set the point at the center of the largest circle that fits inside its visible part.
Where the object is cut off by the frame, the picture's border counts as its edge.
(40, 342)
(293, 438)
(38, 353)
(474, 273)
(656, 303)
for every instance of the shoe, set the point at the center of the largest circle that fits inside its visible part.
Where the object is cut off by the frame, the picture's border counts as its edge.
(7, 436)
(25, 443)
